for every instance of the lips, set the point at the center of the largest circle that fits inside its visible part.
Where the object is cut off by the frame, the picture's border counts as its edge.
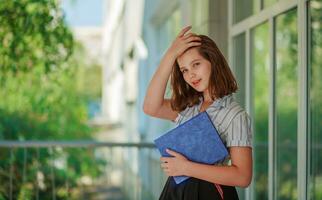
(195, 83)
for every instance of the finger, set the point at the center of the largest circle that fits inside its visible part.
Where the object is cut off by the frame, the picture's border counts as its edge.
(184, 30)
(172, 153)
(164, 159)
(188, 35)
(193, 39)
(194, 44)
(164, 168)
(164, 165)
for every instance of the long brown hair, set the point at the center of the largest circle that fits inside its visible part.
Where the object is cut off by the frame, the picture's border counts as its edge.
(222, 82)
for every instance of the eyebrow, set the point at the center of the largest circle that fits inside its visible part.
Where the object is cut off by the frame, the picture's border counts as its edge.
(198, 59)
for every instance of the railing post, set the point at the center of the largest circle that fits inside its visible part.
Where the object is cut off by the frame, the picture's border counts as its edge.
(67, 184)
(24, 166)
(52, 173)
(37, 166)
(11, 172)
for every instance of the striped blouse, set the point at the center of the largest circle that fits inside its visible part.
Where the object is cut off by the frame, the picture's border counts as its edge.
(231, 121)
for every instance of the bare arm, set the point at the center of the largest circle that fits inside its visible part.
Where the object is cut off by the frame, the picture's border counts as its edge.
(154, 103)
(238, 174)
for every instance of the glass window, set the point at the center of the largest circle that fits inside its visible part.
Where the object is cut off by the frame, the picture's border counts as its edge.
(244, 9)
(260, 67)
(286, 105)
(200, 16)
(315, 100)
(239, 66)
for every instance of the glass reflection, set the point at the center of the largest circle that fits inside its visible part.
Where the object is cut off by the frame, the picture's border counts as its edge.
(315, 100)
(244, 9)
(260, 67)
(286, 105)
(239, 66)
(239, 71)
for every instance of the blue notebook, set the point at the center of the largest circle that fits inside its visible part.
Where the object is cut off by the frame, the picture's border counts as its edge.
(197, 139)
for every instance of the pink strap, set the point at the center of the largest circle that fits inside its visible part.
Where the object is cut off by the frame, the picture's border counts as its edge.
(219, 190)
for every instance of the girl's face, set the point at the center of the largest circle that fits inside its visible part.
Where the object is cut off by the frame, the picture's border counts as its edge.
(195, 69)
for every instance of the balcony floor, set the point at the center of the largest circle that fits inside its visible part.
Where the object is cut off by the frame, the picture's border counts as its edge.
(104, 193)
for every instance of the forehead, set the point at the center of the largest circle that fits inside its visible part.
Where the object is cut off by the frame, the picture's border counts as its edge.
(188, 56)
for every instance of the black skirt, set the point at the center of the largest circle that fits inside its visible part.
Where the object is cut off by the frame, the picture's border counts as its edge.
(196, 189)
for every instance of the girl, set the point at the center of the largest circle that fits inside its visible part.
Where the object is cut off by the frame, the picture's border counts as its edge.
(201, 81)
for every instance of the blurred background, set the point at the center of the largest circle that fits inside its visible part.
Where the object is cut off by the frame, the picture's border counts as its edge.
(73, 76)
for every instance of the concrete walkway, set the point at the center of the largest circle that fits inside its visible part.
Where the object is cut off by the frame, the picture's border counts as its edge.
(104, 193)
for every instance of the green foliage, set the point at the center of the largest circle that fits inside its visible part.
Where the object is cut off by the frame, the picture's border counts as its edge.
(260, 63)
(315, 96)
(25, 192)
(43, 98)
(89, 76)
(286, 104)
(33, 35)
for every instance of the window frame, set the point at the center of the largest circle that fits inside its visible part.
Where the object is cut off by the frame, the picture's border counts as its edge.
(245, 26)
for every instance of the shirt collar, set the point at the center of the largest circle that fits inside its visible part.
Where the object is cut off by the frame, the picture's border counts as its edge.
(220, 102)
(224, 101)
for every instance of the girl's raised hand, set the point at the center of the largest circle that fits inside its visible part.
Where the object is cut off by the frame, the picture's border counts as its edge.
(184, 41)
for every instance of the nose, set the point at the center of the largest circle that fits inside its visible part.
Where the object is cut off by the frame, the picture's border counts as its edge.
(192, 74)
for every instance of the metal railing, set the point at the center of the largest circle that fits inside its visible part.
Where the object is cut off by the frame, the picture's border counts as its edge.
(26, 146)
(50, 146)
(41, 144)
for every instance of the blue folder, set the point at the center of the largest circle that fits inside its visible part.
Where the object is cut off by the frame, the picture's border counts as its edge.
(197, 139)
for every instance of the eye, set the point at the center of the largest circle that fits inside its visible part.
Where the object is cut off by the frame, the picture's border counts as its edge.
(184, 71)
(196, 64)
